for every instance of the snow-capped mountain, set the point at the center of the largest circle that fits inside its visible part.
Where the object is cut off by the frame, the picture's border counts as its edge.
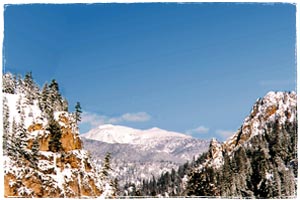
(182, 146)
(141, 153)
(259, 160)
(125, 135)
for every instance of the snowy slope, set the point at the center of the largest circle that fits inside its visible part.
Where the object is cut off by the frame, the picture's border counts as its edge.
(124, 135)
(33, 113)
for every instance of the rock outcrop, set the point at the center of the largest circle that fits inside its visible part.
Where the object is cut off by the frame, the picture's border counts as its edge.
(68, 173)
(259, 160)
(40, 159)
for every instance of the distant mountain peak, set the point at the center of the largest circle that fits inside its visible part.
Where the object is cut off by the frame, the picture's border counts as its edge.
(106, 126)
(125, 135)
(152, 151)
(154, 129)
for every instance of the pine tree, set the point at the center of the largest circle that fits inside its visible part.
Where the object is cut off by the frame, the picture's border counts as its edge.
(65, 105)
(19, 85)
(19, 104)
(45, 103)
(12, 140)
(78, 112)
(106, 166)
(31, 89)
(35, 152)
(55, 96)
(114, 183)
(55, 136)
(21, 137)
(8, 83)
(6, 125)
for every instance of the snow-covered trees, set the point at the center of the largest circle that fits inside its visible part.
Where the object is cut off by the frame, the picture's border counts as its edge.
(78, 112)
(105, 174)
(44, 105)
(35, 152)
(105, 170)
(55, 96)
(6, 125)
(21, 137)
(259, 170)
(50, 99)
(31, 89)
(8, 84)
(41, 145)
(27, 92)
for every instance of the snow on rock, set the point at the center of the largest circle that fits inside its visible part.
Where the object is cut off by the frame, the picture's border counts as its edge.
(32, 113)
(275, 106)
(66, 173)
(269, 176)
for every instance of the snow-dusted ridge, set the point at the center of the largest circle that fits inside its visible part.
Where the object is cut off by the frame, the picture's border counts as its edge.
(124, 135)
(280, 107)
(259, 160)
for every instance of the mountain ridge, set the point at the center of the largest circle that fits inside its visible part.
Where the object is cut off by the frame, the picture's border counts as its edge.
(259, 160)
(126, 135)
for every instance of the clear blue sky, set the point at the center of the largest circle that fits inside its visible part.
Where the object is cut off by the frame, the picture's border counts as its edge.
(192, 68)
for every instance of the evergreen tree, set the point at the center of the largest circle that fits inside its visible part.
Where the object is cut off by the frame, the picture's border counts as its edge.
(115, 184)
(19, 104)
(31, 89)
(12, 140)
(45, 103)
(65, 105)
(78, 112)
(21, 138)
(8, 83)
(153, 186)
(55, 131)
(35, 152)
(19, 85)
(6, 125)
(106, 167)
(55, 96)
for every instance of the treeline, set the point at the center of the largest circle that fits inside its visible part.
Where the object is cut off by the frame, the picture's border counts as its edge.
(168, 184)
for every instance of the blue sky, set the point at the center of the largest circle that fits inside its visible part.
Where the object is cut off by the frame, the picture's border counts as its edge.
(192, 68)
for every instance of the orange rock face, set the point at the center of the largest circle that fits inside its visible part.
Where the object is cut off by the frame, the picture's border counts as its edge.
(8, 190)
(70, 141)
(35, 127)
(81, 178)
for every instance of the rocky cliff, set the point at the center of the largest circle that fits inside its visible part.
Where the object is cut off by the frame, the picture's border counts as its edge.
(43, 154)
(259, 160)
